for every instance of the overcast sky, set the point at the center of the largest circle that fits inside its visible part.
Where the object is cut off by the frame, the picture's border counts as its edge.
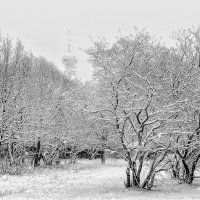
(41, 24)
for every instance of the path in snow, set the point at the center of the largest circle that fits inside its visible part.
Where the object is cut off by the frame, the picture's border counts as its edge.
(86, 181)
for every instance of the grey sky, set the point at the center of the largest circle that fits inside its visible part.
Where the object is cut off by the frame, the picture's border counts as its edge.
(41, 24)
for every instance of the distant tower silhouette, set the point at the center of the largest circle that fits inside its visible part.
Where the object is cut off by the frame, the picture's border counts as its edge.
(69, 60)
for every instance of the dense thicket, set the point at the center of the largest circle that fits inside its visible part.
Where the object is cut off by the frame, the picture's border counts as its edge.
(40, 109)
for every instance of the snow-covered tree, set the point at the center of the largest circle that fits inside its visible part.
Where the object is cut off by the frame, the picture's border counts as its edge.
(141, 96)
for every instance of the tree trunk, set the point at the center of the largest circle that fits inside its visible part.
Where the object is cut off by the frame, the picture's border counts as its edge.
(151, 182)
(141, 160)
(128, 178)
(103, 157)
(186, 176)
(93, 154)
(10, 152)
(190, 176)
(148, 182)
(134, 174)
(37, 153)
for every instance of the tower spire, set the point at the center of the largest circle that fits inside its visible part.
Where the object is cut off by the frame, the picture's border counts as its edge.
(69, 47)
(69, 60)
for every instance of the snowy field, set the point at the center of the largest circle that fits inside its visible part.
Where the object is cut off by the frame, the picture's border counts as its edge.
(88, 180)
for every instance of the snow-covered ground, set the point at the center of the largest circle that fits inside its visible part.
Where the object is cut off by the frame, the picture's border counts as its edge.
(88, 180)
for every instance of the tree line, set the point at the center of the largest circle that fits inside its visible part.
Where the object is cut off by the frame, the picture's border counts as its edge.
(143, 104)
(40, 108)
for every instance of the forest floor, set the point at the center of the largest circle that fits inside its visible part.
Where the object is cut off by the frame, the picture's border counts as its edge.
(88, 180)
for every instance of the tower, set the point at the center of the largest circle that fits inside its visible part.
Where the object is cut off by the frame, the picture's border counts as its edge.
(69, 60)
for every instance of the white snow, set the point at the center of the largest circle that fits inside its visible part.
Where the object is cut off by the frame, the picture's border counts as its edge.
(88, 180)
